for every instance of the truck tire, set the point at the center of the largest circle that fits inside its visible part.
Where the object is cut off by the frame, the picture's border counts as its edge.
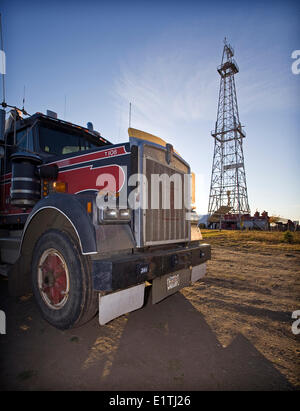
(61, 281)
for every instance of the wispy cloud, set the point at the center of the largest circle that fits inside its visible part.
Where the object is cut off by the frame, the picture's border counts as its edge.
(265, 87)
(173, 88)
(166, 90)
(174, 94)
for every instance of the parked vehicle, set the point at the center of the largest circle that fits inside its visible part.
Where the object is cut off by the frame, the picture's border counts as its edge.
(77, 227)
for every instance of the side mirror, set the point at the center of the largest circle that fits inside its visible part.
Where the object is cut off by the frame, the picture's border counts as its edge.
(49, 172)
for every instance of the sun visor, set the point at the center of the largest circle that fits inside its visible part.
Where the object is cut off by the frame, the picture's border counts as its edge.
(142, 135)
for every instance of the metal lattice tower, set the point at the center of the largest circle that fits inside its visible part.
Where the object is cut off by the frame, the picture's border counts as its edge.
(228, 180)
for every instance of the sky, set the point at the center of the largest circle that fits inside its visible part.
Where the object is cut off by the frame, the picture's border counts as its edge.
(87, 60)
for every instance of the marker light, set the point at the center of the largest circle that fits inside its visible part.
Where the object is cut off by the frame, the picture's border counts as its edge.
(59, 186)
(89, 207)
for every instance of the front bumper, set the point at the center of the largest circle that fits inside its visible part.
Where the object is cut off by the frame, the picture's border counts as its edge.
(121, 272)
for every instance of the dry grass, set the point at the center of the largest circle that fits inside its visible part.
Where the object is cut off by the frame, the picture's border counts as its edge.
(252, 288)
(253, 292)
(252, 239)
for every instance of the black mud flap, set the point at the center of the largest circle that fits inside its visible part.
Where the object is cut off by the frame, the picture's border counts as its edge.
(169, 284)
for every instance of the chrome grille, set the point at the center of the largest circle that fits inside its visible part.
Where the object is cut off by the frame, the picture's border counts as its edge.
(164, 225)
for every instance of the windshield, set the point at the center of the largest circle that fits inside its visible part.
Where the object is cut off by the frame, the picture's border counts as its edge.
(58, 142)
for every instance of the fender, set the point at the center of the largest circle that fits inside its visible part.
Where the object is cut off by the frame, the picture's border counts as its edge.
(68, 209)
(72, 208)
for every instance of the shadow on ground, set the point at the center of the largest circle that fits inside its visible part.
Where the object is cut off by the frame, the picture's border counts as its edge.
(168, 346)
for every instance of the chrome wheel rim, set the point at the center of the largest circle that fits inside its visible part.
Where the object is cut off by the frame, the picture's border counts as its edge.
(53, 279)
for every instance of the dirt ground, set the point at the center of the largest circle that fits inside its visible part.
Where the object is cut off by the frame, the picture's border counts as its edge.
(230, 331)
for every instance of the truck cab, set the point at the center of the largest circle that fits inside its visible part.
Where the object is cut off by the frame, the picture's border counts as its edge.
(87, 225)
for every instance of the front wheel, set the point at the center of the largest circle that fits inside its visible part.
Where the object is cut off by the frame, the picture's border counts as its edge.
(61, 281)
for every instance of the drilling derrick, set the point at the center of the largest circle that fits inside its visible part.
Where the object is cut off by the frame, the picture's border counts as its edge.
(228, 180)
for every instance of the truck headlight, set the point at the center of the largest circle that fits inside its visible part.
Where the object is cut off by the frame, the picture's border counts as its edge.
(124, 214)
(114, 215)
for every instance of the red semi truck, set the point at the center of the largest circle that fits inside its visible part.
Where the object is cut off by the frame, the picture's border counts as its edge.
(86, 225)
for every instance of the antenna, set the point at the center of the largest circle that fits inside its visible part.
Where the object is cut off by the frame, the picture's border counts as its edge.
(2, 71)
(3, 57)
(129, 115)
(23, 99)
